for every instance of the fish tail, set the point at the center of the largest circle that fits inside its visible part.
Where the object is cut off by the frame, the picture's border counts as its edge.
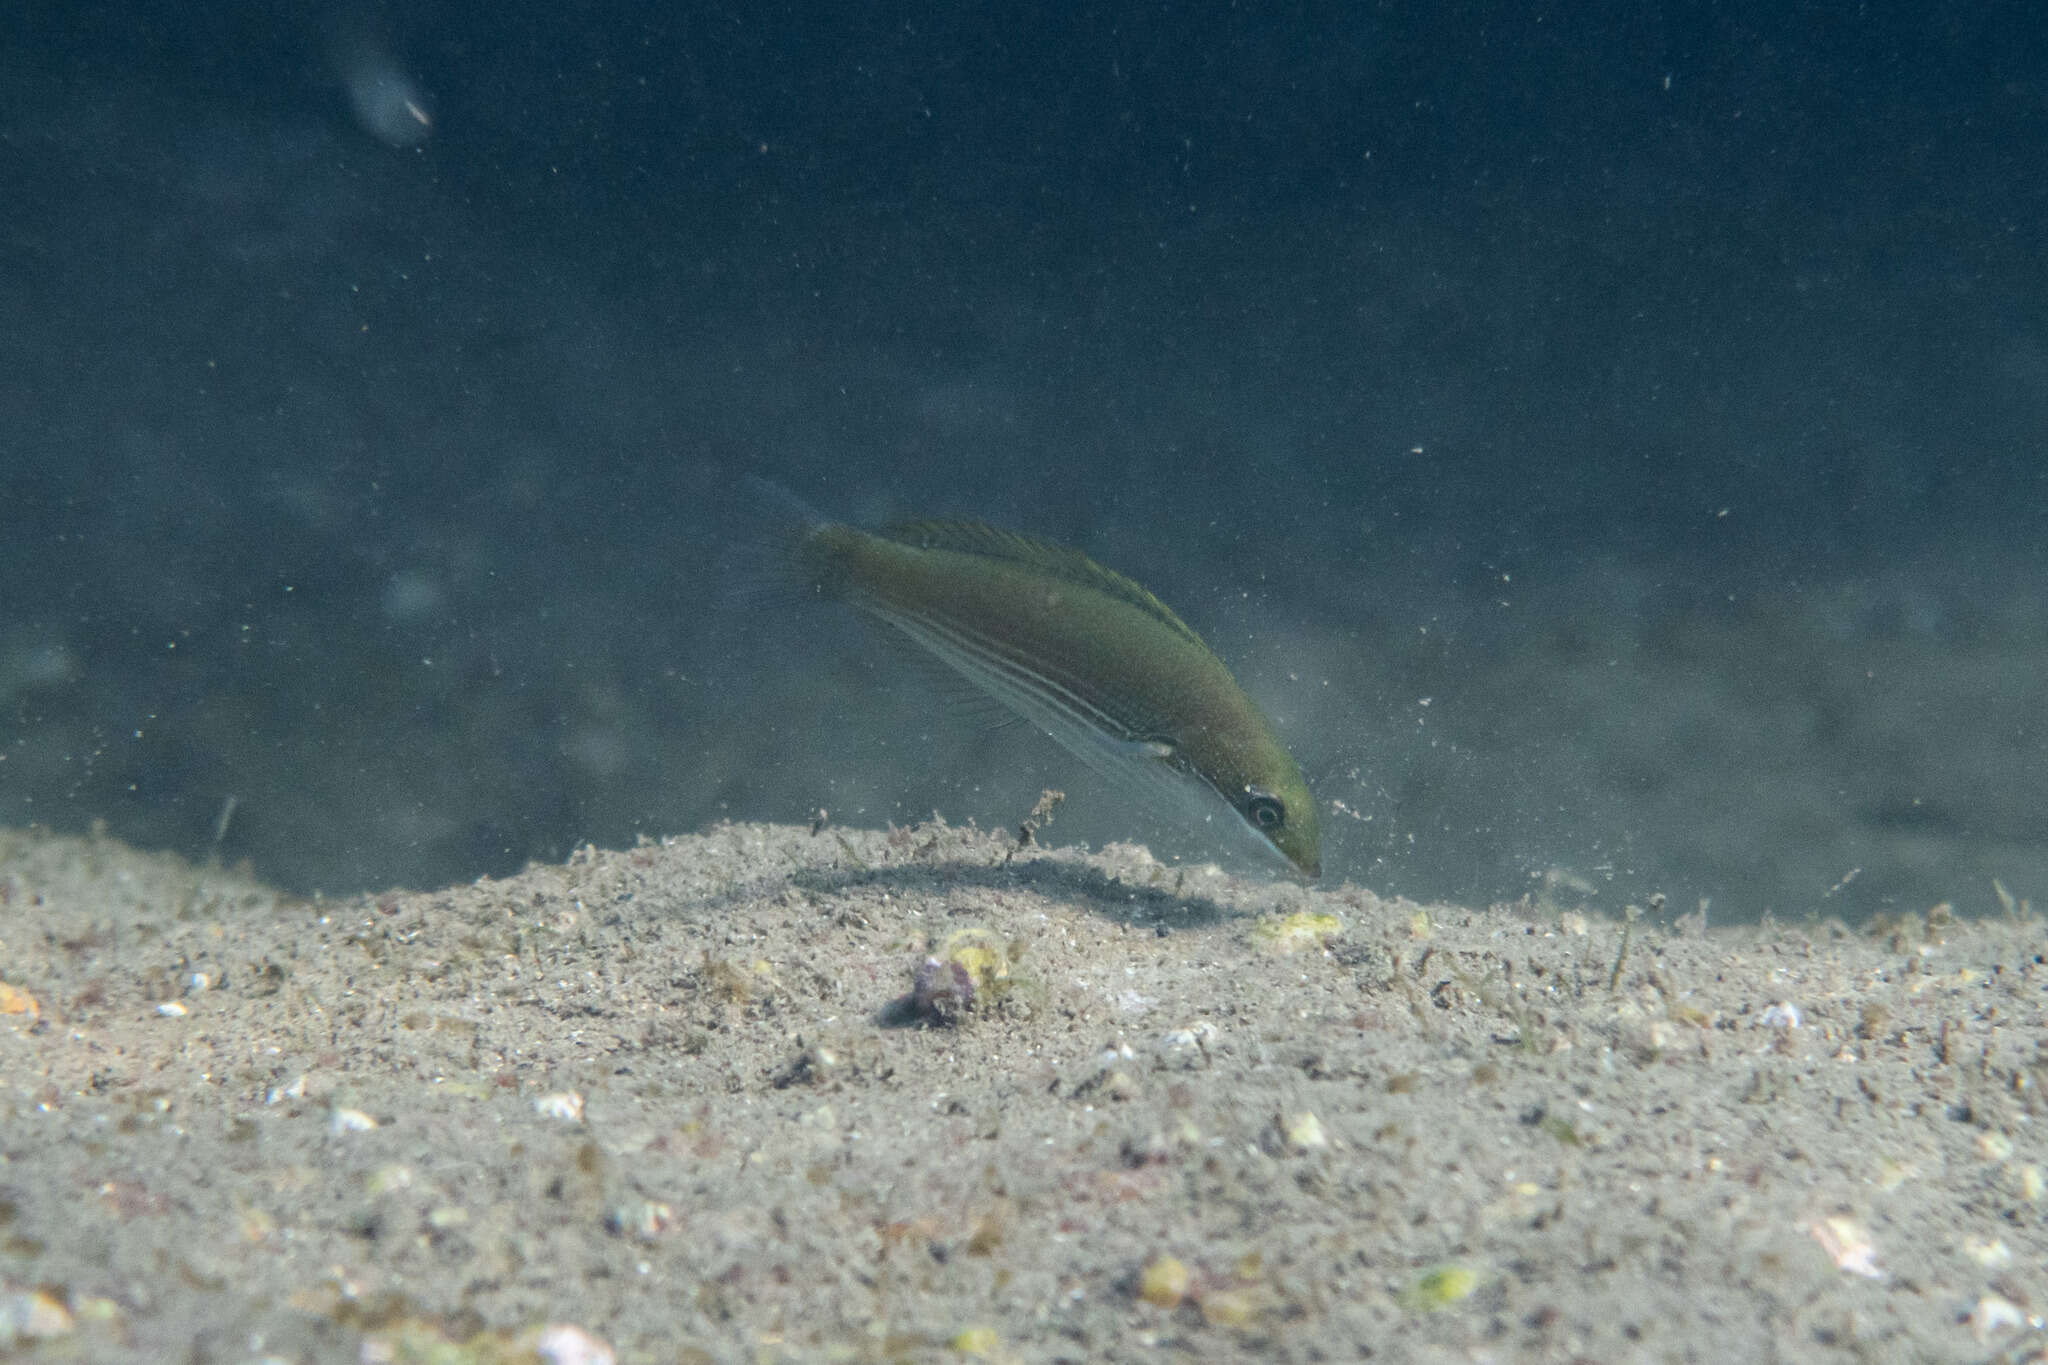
(767, 565)
(772, 504)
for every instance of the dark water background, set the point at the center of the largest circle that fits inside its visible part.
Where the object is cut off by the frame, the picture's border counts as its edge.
(1611, 444)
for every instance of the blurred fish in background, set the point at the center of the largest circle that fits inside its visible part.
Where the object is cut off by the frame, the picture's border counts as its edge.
(386, 100)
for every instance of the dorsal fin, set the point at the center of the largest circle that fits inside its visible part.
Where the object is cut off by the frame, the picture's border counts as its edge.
(1056, 561)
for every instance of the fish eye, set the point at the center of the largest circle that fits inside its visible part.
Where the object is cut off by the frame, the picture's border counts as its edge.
(1265, 810)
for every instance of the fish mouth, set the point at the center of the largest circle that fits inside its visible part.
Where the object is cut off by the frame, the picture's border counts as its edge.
(1306, 869)
(1309, 871)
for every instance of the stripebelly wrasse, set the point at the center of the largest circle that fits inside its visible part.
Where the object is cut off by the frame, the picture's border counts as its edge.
(1080, 651)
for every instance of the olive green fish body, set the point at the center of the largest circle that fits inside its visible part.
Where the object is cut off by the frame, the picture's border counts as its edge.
(1083, 652)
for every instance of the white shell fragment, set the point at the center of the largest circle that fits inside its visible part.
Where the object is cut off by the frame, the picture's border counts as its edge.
(644, 1219)
(1302, 1133)
(1784, 1014)
(1848, 1244)
(31, 1315)
(1197, 1037)
(342, 1121)
(566, 1105)
(563, 1344)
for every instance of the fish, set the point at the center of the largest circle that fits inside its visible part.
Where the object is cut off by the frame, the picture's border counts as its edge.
(1080, 651)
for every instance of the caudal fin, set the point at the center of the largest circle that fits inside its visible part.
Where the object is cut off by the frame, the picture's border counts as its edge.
(761, 567)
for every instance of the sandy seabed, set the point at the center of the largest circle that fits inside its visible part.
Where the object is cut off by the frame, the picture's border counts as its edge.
(681, 1103)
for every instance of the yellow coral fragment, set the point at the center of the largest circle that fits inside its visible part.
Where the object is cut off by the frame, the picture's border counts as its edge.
(1441, 1286)
(1164, 1283)
(1293, 933)
(979, 953)
(979, 1342)
(1229, 1308)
